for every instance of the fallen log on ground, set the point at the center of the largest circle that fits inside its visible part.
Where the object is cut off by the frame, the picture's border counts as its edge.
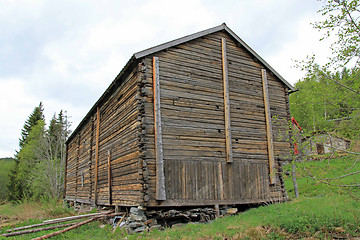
(72, 227)
(35, 230)
(66, 229)
(58, 220)
(76, 217)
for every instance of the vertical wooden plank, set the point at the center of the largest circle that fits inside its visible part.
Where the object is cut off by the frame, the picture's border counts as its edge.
(160, 177)
(258, 186)
(229, 183)
(77, 166)
(221, 180)
(183, 182)
(109, 176)
(97, 153)
(229, 153)
(196, 190)
(269, 134)
(66, 163)
(91, 157)
(242, 180)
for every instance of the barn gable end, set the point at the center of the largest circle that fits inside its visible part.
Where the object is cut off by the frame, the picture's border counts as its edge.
(192, 107)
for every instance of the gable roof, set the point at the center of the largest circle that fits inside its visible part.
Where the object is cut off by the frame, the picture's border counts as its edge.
(137, 56)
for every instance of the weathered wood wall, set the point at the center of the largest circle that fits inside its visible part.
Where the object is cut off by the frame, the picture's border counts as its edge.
(193, 125)
(118, 140)
(200, 166)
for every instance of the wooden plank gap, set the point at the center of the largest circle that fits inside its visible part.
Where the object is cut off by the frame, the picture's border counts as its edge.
(228, 139)
(160, 177)
(269, 134)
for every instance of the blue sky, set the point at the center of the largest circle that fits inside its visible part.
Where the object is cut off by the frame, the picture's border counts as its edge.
(66, 53)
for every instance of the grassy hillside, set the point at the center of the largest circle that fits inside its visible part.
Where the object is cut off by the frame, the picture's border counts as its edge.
(5, 166)
(323, 176)
(322, 211)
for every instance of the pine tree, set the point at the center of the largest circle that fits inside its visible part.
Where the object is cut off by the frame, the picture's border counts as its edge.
(18, 176)
(35, 116)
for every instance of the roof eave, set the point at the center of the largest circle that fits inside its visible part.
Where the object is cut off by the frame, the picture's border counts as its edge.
(103, 96)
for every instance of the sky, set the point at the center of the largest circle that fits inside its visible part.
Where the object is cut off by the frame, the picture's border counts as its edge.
(66, 53)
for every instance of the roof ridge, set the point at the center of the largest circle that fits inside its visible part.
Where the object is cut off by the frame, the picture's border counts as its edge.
(205, 32)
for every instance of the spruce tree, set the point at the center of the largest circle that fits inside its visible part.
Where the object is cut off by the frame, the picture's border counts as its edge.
(35, 116)
(17, 187)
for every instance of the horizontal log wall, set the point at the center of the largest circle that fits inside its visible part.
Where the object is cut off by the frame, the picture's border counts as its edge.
(193, 124)
(119, 136)
(71, 171)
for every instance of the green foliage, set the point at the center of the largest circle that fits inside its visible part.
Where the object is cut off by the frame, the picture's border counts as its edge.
(27, 160)
(35, 116)
(48, 175)
(342, 21)
(330, 100)
(39, 165)
(19, 174)
(323, 104)
(5, 165)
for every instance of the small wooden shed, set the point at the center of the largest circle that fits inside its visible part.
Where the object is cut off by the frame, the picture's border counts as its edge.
(200, 120)
(322, 142)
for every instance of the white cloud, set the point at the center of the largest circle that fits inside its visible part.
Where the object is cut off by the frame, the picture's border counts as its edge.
(305, 44)
(66, 53)
(16, 105)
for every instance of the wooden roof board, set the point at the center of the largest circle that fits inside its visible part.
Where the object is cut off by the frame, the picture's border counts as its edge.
(139, 55)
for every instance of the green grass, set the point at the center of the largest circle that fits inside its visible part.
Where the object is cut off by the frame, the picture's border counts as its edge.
(325, 167)
(300, 218)
(322, 211)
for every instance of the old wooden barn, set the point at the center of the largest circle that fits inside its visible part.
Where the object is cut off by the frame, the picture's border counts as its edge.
(201, 120)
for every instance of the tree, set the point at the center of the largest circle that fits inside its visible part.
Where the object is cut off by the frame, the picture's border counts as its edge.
(320, 104)
(40, 162)
(48, 175)
(342, 21)
(330, 100)
(35, 116)
(17, 187)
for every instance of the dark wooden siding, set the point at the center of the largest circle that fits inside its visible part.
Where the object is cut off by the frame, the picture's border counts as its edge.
(71, 171)
(193, 127)
(192, 111)
(118, 136)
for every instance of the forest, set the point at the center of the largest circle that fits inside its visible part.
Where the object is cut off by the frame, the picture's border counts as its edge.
(37, 171)
(328, 101)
